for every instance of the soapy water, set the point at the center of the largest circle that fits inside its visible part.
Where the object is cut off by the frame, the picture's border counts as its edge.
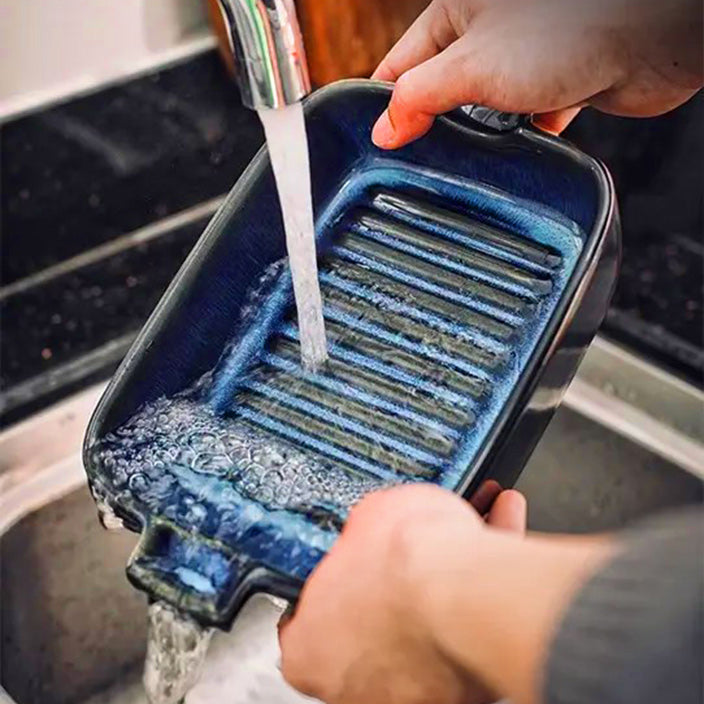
(176, 650)
(288, 150)
(170, 439)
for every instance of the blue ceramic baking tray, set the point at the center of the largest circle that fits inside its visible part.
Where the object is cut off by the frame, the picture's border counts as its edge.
(463, 277)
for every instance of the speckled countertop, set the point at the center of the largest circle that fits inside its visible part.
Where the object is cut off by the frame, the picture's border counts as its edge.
(657, 168)
(102, 198)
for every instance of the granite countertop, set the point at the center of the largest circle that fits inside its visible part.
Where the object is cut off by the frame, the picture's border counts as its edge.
(103, 197)
(657, 169)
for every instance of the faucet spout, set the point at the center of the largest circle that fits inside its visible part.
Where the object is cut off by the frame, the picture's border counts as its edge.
(267, 45)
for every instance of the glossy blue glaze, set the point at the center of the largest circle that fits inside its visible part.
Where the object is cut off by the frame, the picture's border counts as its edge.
(208, 331)
(531, 220)
(535, 222)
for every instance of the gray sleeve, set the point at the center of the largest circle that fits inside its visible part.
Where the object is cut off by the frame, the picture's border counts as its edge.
(633, 634)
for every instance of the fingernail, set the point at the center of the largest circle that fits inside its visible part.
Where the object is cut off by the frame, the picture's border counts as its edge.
(383, 134)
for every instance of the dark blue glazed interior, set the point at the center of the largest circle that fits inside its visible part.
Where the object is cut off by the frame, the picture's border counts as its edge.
(525, 184)
(247, 234)
(534, 222)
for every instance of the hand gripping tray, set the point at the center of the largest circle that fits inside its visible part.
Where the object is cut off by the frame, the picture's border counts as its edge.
(463, 277)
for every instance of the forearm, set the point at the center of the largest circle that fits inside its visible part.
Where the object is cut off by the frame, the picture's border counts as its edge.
(496, 616)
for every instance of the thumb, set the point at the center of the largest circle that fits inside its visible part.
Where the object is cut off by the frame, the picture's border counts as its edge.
(509, 512)
(431, 88)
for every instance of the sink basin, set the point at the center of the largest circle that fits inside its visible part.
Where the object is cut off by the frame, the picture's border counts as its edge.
(74, 630)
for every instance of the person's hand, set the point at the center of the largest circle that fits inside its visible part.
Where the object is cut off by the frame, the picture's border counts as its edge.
(548, 57)
(361, 633)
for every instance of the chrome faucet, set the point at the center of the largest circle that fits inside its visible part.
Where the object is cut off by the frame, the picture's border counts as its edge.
(267, 45)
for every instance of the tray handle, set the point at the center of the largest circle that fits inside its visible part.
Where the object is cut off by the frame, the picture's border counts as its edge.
(199, 576)
(489, 119)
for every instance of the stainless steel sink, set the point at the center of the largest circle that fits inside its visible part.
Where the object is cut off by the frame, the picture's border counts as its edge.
(73, 630)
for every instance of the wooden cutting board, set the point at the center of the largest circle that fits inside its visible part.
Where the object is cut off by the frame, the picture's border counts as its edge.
(343, 38)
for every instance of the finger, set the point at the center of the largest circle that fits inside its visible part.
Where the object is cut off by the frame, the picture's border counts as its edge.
(296, 661)
(557, 121)
(509, 512)
(484, 496)
(637, 100)
(428, 35)
(440, 84)
(285, 619)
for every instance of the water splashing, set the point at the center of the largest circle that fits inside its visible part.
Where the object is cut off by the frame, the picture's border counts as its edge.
(176, 650)
(288, 149)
